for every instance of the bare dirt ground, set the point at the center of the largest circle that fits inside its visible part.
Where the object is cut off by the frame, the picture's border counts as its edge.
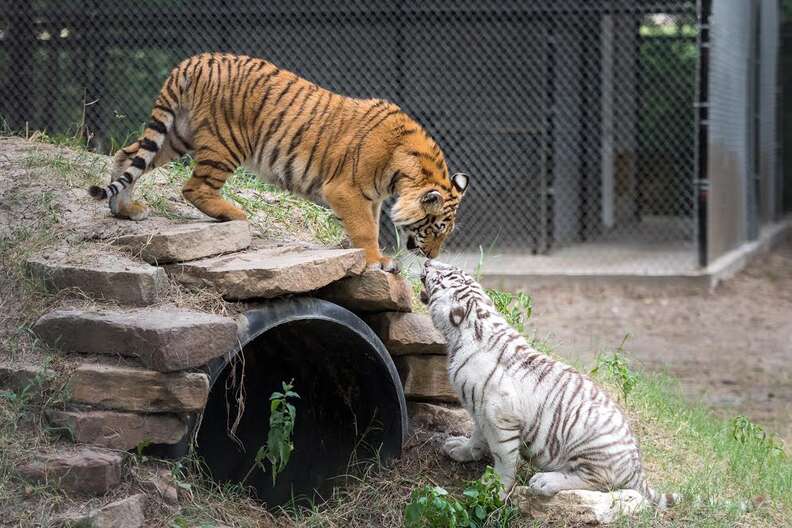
(731, 349)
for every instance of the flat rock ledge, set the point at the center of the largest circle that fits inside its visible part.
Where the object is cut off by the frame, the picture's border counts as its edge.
(270, 272)
(407, 333)
(118, 430)
(138, 390)
(80, 471)
(128, 512)
(165, 339)
(373, 291)
(106, 276)
(425, 378)
(579, 506)
(190, 241)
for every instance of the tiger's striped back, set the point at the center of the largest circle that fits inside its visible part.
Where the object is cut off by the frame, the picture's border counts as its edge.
(526, 403)
(229, 111)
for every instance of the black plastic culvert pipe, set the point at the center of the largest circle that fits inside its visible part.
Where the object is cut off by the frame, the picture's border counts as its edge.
(351, 404)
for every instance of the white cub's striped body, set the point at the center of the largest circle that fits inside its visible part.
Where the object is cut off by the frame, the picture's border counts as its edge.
(525, 403)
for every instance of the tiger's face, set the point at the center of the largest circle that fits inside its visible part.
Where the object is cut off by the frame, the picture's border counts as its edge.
(427, 215)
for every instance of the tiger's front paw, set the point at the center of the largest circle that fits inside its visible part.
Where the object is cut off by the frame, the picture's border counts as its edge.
(385, 264)
(461, 449)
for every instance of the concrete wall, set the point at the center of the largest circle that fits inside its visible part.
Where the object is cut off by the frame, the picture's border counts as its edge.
(745, 183)
(729, 126)
(770, 191)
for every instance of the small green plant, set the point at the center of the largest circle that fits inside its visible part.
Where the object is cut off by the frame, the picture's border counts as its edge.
(481, 505)
(479, 270)
(745, 432)
(615, 368)
(279, 446)
(515, 307)
(433, 507)
(483, 502)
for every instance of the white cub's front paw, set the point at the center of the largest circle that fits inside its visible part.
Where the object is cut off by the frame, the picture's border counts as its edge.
(546, 484)
(461, 449)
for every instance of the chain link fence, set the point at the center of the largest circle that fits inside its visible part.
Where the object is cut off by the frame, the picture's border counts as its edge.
(574, 118)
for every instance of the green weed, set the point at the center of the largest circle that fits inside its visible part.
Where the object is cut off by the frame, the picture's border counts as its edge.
(433, 507)
(279, 444)
(615, 369)
(480, 505)
(746, 432)
(515, 307)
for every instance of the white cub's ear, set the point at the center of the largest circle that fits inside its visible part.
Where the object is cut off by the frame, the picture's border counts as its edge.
(460, 180)
(432, 202)
(456, 315)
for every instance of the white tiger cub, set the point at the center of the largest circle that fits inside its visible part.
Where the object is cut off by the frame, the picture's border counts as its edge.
(525, 403)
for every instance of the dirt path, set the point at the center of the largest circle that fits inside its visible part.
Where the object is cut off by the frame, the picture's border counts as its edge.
(732, 348)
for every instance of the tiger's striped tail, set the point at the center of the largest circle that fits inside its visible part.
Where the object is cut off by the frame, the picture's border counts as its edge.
(661, 501)
(160, 124)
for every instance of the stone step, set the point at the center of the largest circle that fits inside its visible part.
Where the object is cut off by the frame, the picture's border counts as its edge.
(101, 276)
(425, 378)
(118, 430)
(128, 512)
(164, 339)
(373, 291)
(139, 390)
(407, 333)
(270, 272)
(83, 470)
(190, 241)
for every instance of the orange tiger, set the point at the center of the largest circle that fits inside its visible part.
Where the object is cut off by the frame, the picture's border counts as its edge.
(351, 154)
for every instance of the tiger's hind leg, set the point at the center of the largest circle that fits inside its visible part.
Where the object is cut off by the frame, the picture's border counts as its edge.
(203, 189)
(122, 204)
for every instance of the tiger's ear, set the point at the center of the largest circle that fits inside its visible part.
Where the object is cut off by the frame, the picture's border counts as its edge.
(432, 202)
(460, 181)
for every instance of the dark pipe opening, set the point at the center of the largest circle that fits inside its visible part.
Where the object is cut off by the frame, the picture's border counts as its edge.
(351, 404)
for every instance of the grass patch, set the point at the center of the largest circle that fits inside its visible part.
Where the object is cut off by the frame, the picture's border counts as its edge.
(688, 450)
(273, 210)
(76, 166)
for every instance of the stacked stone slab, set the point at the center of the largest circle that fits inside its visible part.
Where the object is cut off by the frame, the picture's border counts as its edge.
(152, 380)
(419, 352)
(147, 396)
(384, 300)
(121, 407)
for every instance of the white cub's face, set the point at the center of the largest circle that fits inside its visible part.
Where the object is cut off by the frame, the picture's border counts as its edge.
(438, 279)
(448, 291)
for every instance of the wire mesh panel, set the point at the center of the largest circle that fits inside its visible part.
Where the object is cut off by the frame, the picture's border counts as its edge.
(574, 118)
